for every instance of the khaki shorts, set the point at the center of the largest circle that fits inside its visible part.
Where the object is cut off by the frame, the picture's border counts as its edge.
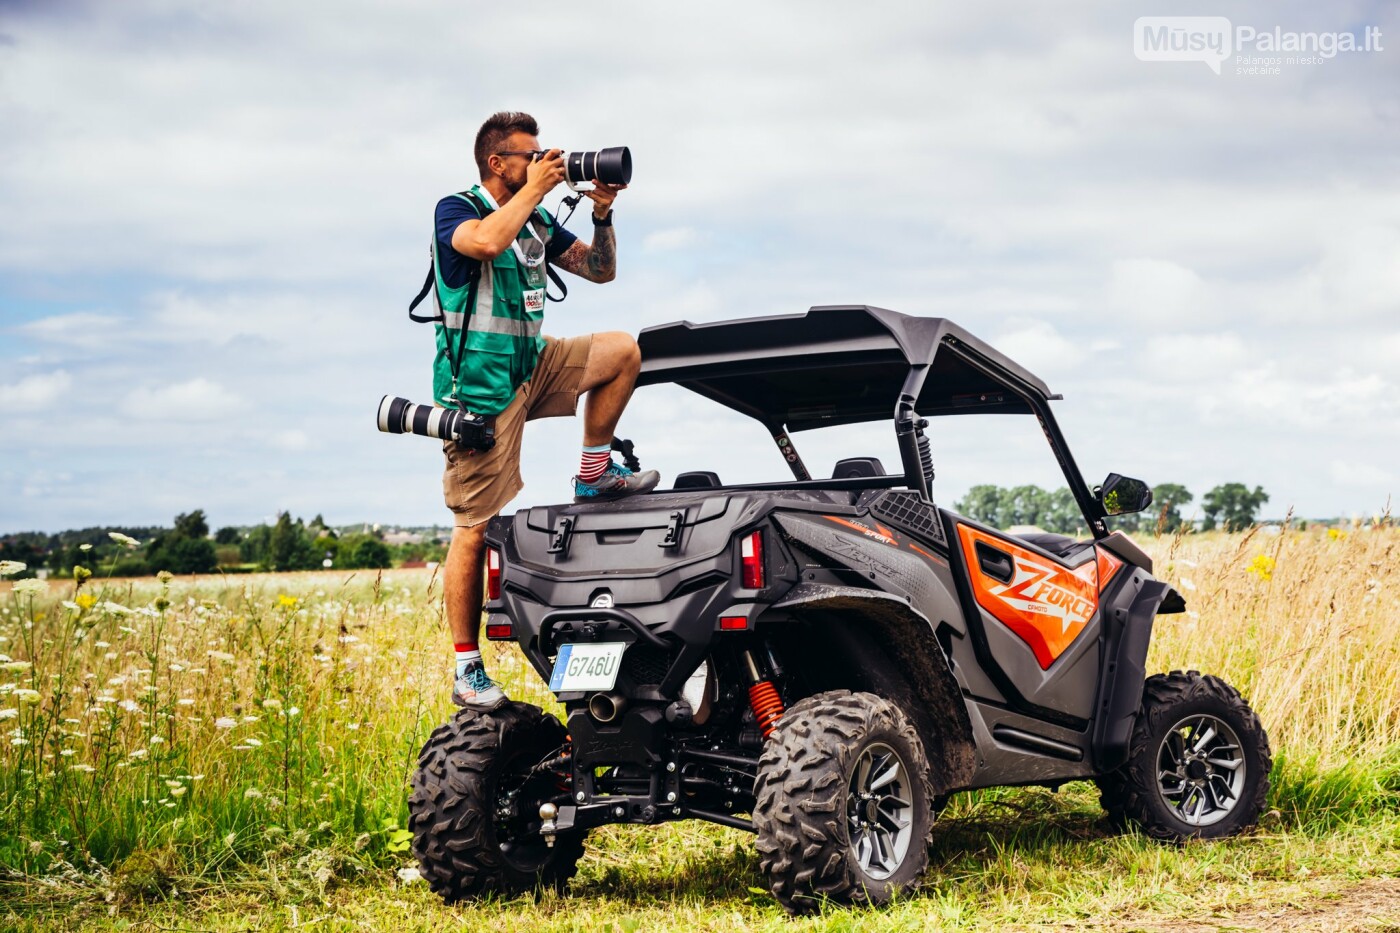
(477, 485)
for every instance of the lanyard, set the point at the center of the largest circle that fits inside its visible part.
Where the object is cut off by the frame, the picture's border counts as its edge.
(535, 257)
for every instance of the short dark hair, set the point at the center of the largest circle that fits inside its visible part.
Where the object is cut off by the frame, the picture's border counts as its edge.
(496, 130)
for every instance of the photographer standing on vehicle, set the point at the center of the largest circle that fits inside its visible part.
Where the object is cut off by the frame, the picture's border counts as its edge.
(492, 248)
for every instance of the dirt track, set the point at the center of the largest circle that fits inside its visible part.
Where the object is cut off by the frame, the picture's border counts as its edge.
(1372, 906)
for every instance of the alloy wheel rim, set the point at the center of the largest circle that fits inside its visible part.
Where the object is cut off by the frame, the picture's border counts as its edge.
(880, 811)
(1201, 770)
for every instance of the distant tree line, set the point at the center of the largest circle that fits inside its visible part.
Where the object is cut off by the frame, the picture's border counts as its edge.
(188, 547)
(1229, 506)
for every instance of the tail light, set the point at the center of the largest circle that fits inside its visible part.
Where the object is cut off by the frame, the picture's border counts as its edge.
(493, 573)
(751, 560)
(499, 631)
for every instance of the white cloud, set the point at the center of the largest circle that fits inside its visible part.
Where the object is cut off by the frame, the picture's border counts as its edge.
(1039, 347)
(85, 329)
(196, 400)
(291, 439)
(37, 391)
(227, 209)
(672, 238)
(1157, 293)
(1361, 474)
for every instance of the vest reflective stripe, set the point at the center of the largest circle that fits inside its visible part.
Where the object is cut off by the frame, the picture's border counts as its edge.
(504, 325)
(499, 338)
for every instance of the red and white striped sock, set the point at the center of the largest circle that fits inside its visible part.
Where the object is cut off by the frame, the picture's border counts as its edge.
(595, 462)
(466, 652)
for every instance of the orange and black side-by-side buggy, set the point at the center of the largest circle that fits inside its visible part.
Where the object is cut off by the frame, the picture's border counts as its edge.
(822, 661)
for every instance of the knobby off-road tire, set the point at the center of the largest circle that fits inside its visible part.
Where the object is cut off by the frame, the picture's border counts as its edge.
(1198, 762)
(465, 846)
(811, 826)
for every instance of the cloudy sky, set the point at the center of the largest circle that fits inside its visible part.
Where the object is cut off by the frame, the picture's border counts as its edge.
(214, 214)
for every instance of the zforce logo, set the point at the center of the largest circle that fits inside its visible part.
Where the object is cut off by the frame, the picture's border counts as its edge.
(1033, 590)
(1045, 604)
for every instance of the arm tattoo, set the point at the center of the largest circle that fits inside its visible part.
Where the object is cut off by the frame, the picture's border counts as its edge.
(573, 258)
(602, 255)
(597, 263)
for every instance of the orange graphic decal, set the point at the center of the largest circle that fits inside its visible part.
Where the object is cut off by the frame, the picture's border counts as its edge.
(1108, 566)
(1045, 604)
(884, 534)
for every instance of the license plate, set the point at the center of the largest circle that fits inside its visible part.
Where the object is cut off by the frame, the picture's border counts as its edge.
(586, 666)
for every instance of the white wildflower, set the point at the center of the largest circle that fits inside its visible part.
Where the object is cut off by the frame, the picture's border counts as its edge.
(69, 604)
(21, 587)
(272, 704)
(9, 568)
(101, 644)
(177, 791)
(225, 722)
(184, 701)
(157, 740)
(19, 741)
(86, 769)
(253, 742)
(221, 655)
(352, 726)
(15, 666)
(9, 713)
(111, 656)
(114, 608)
(138, 753)
(293, 711)
(68, 753)
(130, 706)
(173, 784)
(124, 540)
(409, 875)
(252, 793)
(85, 547)
(25, 695)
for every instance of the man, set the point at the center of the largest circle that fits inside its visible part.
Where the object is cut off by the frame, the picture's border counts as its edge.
(493, 244)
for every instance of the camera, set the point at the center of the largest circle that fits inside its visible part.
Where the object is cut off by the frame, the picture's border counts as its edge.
(400, 416)
(610, 166)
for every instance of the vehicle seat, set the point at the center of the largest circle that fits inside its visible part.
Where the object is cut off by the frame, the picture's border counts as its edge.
(697, 479)
(1060, 545)
(853, 467)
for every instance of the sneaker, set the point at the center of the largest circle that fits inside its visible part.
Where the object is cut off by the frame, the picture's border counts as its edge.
(476, 690)
(617, 481)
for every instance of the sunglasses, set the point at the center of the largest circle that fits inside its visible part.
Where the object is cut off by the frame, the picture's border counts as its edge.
(532, 153)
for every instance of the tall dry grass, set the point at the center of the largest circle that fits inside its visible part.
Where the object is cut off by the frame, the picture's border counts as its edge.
(220, 727)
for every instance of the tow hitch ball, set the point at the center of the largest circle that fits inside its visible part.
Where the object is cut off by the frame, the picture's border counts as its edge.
(548, 827)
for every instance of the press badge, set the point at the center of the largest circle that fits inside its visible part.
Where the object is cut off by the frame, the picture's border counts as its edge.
(534, 299)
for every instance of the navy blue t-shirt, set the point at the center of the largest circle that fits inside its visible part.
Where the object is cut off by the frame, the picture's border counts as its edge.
(451, 213)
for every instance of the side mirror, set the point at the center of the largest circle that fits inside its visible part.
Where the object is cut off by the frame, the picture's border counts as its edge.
(1120, 495)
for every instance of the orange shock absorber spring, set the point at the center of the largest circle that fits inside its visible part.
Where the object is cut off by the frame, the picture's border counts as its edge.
(767, 706)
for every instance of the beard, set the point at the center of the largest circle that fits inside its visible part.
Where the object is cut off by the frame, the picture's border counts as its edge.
(513, 185)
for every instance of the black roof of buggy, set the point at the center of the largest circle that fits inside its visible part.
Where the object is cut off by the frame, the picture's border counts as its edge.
(836, 364)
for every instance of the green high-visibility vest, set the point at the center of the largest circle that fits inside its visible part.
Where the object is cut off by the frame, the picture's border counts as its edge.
(494, 320)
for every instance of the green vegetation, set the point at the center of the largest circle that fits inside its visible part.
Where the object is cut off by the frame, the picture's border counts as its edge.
(188, 548)
(1230, 506)
(186, 754)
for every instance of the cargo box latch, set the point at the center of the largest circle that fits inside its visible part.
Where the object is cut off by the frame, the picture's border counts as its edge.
(672, 538)
(559, 538)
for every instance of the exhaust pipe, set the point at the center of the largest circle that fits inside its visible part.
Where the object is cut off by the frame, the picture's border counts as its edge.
(605, 707)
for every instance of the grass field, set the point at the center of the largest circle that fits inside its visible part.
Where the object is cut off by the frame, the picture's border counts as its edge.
(232, 754)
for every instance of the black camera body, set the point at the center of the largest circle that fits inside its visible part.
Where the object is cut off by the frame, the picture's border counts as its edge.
(466, 429)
